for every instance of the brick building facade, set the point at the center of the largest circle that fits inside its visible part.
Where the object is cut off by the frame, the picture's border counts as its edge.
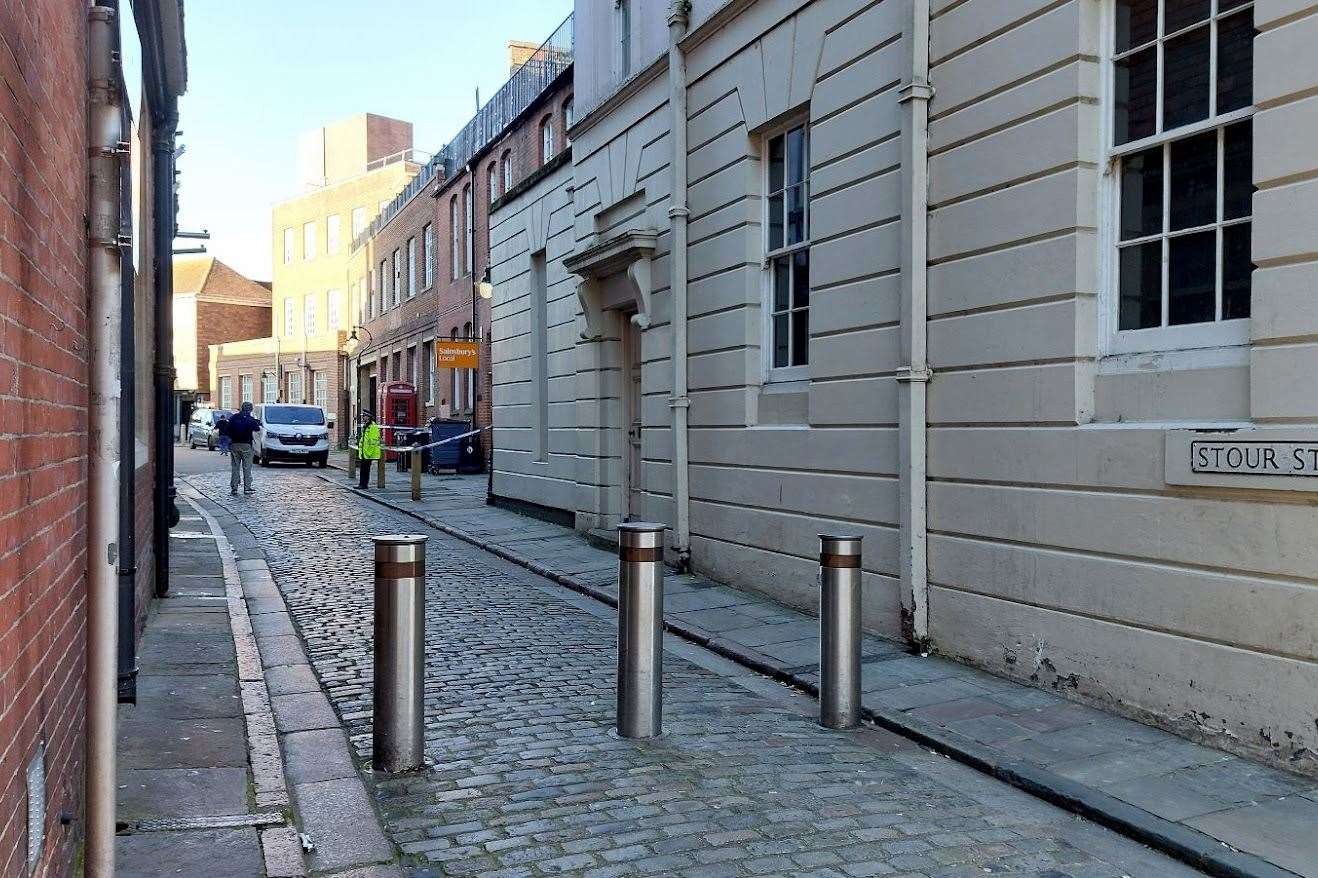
(59, 599)
(401, 325)
(213, 304)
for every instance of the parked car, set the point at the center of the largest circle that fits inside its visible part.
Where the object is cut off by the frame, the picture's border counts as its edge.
(203, 427)
(291, 432)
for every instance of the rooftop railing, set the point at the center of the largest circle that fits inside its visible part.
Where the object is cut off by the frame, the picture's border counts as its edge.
(525, 85)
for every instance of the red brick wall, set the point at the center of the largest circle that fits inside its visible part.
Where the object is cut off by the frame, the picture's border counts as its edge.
(43, 418)
(218, 322)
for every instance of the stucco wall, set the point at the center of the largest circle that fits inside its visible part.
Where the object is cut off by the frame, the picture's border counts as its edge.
(1060, 549)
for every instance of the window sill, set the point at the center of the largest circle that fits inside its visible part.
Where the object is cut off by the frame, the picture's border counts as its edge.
(1193, 336)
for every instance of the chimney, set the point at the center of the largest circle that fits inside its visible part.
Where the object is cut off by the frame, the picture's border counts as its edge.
(519, 53)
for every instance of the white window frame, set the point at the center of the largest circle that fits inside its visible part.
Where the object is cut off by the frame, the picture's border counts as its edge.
(469, 228)
(333, 228)
(246, 389)
(428, 255)
(358, 221)
(226, 392)
(269, 389)
(398, 277)
(309, 235)
(334, 310)
(772, 373)
(1217, 335)
(411, 267)
(296, 394)
(491, 179)
(428, 355)
(506, 171)
(456, 236)
(569, 113)
(290, 317)
(288, 245)
(309, 315)
(384, 285)
(546, 140)
(320, 388)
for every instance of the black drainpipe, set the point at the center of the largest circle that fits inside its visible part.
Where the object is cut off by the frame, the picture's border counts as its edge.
(127, 434)
(162, 175)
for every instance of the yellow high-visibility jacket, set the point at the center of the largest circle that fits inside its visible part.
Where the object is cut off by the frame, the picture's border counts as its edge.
(368, 445)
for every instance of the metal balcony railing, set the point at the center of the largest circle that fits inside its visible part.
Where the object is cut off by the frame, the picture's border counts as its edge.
(526, 84)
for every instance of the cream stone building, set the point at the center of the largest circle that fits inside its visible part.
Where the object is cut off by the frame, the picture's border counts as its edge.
(1020, 292)
(349, 171)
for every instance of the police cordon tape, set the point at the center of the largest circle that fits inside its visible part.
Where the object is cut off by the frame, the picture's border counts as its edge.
(408, 448)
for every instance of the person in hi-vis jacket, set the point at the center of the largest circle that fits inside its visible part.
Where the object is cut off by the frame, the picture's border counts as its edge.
(368, 448)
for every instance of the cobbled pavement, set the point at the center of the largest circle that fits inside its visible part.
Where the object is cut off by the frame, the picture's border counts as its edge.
(528, 779)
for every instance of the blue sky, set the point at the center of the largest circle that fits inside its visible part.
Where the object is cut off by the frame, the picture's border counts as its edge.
(261, 72)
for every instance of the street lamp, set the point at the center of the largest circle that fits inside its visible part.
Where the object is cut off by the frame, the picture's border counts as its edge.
(352, 337)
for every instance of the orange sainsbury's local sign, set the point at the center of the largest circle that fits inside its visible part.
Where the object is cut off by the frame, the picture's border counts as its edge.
(457, 354)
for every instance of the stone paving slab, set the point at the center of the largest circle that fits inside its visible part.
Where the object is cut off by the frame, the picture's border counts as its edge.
(215, 853)
(1042, 729)
(526, 776)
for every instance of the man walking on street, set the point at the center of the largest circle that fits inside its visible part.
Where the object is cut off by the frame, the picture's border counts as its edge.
(368, 449)
(241, 428)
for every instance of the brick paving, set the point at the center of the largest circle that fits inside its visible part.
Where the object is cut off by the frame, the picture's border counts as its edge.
(527, 777)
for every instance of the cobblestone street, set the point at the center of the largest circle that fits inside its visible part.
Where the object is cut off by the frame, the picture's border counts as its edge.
(528, 778)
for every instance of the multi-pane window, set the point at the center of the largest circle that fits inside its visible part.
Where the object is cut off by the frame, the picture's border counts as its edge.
(428, 255)
(309, 314)
(295, 387)
(787, 243)
(334, 310)
(428, 369)
(398, 276)
(411, 267)
(467, 226)
(546, 139)
(1183, 146)
(413, 376)
(358, 221)
(269, 389)
(455, 253)
(226, 393)
(288, 246)
(332, 224)
(290, 317)
(245, 384)
(383, 285)
(491, 179)
(507, 171)
(320, 388)
(309, 241)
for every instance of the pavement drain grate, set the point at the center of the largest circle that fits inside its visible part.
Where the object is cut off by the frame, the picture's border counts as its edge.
(224, 821)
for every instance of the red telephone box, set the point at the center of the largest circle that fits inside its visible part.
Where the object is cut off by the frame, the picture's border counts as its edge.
(397, 409)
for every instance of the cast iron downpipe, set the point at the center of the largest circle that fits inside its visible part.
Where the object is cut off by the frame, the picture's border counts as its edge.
(163, 130)
(680, 403)
(914, 375)
(127, 430)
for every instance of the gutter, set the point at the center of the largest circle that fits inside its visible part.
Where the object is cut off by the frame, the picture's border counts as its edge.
(913, 377)
(106, 136)
(678, 213)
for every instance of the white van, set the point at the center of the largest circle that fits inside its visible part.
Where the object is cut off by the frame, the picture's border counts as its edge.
(291, 432)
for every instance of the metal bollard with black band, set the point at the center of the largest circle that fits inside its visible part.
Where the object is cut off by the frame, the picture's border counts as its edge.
(400, 611)
(640, 629)
(839, 631)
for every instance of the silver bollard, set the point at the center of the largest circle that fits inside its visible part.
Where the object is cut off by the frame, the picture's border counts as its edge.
(839, 631)
(400, 612)
(640, 629)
